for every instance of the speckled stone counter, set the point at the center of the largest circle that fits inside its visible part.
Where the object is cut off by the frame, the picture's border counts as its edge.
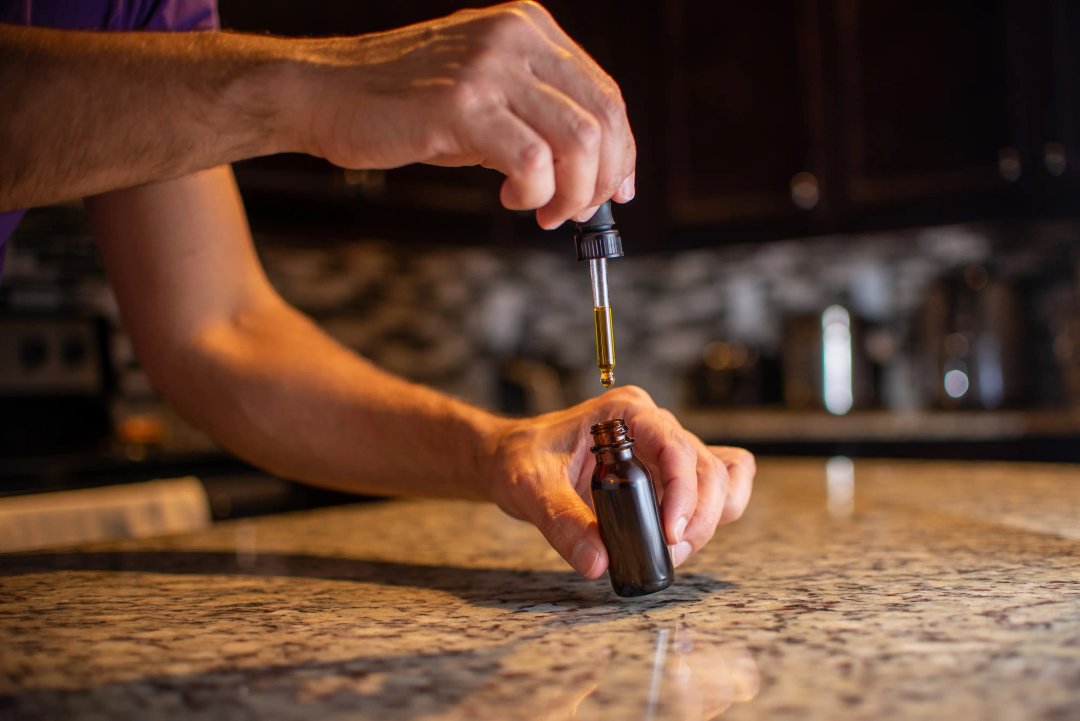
(880, 590)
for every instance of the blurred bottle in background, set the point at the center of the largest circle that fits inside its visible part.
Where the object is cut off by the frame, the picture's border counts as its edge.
(973, 341)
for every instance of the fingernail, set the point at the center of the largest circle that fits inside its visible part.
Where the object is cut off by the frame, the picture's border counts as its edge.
(547, 224)
(586, 214)
(584, 558)
(680, 526)
(680, 552)
(627, 188)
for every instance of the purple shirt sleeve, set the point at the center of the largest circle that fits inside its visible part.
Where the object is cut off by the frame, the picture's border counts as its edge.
(157, 15)
(117, 15)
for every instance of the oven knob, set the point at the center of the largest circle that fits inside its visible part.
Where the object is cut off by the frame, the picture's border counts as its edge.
(73, 351)
(33, 352)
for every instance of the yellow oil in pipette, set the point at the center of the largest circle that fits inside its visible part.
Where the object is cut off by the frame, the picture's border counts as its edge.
(605, 345)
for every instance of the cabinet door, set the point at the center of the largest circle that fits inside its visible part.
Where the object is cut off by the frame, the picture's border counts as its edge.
(930, 98)
(1052, 74)
(745, 122)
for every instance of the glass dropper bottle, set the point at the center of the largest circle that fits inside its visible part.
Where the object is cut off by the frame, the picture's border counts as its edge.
(627, 514)
(596, 240)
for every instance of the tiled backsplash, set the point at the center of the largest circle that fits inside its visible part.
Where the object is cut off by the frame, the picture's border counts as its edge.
(482, 323)
(455, 317)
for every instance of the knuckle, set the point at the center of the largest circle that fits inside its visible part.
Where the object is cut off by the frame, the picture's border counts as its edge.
(465, 95)
(613, 109)
(744, 459)
(506, 22)
(667, 415)
(711, 472)
(521, 481)
(684, 444)
(534, 156)
(533, 11)
(585, 135)
(633, 395)
(532, 7)
(679, 457)
(720, 469)
(559, 525)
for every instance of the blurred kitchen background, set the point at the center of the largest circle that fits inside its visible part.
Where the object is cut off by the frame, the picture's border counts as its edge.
(857, 232)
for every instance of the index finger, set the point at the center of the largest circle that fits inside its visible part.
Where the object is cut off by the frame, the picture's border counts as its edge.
(664, 445)
(617, 149)
(600, 95)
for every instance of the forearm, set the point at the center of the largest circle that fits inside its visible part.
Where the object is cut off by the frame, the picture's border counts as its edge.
(90, 112)
(255, 373)
(274, 389)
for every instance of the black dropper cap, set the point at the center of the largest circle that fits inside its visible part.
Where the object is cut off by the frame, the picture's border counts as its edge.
(598, 237)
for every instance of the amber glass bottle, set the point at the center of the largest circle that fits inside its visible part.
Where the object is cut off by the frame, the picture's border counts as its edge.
(626, 510)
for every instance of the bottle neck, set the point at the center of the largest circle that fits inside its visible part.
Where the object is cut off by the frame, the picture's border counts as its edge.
(612, 440)
(612, 455)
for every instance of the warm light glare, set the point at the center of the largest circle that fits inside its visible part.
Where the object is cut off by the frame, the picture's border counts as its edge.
(840, 486)
(679, 675)
(836, 360)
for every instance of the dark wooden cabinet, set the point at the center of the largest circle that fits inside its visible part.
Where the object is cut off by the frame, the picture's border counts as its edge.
(745, 128)
(930, 98)
(1052, 73)
(776, 118)
(1060, 144)
(857, 114)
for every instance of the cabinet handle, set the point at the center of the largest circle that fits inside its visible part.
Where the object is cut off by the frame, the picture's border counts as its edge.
(1009, 164)
(805, 193)
(1054, 158)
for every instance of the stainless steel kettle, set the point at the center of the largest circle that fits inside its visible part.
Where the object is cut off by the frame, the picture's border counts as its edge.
(973, 342)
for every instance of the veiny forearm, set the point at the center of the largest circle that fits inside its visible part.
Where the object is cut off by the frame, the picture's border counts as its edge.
(255, 373)
(88, 112)
(274, 389)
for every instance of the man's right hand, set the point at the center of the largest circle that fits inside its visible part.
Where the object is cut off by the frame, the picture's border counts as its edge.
(502, 87)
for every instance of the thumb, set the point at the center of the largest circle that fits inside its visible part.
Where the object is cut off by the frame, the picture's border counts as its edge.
(570, 527)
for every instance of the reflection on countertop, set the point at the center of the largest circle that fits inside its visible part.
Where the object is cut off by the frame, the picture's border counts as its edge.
(865, 589)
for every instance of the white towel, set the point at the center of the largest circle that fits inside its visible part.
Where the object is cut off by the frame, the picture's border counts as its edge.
(135, 510)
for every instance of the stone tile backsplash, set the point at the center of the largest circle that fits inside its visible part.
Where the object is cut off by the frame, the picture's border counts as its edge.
(461, 319)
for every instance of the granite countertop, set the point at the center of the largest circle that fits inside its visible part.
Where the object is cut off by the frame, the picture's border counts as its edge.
(877, 590)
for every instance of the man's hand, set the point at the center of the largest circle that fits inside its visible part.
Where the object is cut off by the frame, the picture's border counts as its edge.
(542, 469)
(503, 87)
(274, 389)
